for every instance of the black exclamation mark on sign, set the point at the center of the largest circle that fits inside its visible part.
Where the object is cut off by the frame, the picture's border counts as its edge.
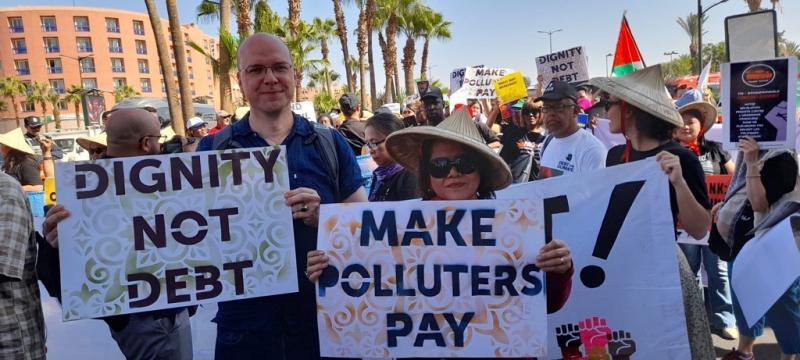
(619, 205)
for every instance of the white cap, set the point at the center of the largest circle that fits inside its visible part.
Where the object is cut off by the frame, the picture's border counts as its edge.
(195, 122)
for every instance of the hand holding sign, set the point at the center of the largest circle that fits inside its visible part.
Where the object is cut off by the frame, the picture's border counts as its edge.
(749, 148)
(50, 225)
(671, 165)
(305, 205)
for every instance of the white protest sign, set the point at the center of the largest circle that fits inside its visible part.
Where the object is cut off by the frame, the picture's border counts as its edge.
(479, 82)
(457, 78)
(156, 232)
(765, 267)
(432, 279)
(305, 109)
(626, 281)
(566, 65)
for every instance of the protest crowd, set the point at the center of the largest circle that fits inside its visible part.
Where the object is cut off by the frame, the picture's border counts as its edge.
(431, 148)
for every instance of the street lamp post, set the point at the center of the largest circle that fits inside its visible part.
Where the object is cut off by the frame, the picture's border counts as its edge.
(80, 83)
(608, 74)
(550, 35)
(700, 13)
(670, 54)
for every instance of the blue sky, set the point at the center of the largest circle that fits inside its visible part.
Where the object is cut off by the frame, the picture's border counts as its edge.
(503, 33)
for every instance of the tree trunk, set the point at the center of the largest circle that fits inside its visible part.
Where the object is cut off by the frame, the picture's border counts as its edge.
(225, 89)
(166, 65)
(408, 65)
(423, 69)
(294, 17)
(180, 59)
(16, 111)
(77, 113)
(44, 117)
(57, 116)
(373, 92)
(243, 22)
(362, 53)
(387, 69)
(325, 51)
(391, 49)
(341, 30)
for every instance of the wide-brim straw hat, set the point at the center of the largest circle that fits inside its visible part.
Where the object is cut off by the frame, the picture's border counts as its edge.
(708, 110)
(645, 90)
(16, 140)
(405, 146)
(90, 142)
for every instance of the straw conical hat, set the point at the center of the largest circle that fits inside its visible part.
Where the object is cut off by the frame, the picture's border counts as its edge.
(16, 140)
(645, 90)
(405, 146)
(90, 142)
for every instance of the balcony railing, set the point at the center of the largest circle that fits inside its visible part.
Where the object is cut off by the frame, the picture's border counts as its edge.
(113, 29)
(115, 49)
(87, 69)
(55, 70)
(144, 70)
(51, 49)
(17, 29)
(117, 69)
(23, 71)
(84, 48)
(138, 31)
(82, 27)
(20, 51)
(60, 90)
(49, 27)
(141, 51)
(147, 89)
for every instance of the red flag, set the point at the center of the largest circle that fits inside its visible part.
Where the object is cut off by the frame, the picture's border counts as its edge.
(627, 58)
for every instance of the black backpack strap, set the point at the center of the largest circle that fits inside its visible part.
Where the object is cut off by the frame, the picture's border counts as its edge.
(222, 138)
(326, 145)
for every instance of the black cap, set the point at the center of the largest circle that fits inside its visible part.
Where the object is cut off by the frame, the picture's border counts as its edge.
(33, 121)
(557, 90)
(348, 102)
(433, 92)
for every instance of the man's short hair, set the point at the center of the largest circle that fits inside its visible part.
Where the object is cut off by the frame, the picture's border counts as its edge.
(348, 103)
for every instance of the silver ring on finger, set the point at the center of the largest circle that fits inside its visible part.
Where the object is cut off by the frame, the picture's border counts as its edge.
(304, 208)
(562, 260)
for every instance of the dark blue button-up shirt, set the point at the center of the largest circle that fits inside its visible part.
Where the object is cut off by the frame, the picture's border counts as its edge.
(307, 168)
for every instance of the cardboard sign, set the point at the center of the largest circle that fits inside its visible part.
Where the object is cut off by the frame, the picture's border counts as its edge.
(510, 87)
(566, 65)
(759, 97)
(156, 232)
(50, 191)
(479, 82)
(432, 279)
(457, 78)
(305, 109)
(626, 295)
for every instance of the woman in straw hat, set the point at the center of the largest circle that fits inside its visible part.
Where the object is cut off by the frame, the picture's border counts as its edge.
(20, 161)
(639, 107)
(453, 162)
(94, 145)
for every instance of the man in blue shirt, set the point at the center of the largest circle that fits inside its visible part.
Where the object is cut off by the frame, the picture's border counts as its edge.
(282, 326)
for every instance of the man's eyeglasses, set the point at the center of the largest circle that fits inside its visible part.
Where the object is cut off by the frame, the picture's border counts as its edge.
(375, 145)
(440, 168)
(556, 108)
(281, 69)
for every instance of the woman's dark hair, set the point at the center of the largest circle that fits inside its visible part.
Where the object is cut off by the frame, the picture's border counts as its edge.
(385, 123)
(651, 126)
(424, 179)
(14, 160)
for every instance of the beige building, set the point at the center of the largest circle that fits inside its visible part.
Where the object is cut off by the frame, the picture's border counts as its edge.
(100, 48)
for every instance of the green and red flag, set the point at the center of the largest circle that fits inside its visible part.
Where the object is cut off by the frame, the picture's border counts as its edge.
(627, 58)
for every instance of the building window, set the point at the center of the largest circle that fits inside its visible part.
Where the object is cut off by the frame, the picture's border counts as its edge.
(58, 86)
(87, 65)
(145, 84)
(141, 47)
(49, 24)
(81, 23)
(119, 82)
(90, 83)
(112, 25)
(117, 65)
(19, 47)
(138, 27)
(15, 25)
(62, 105)
(51, 45)
(144, 67)
(208, 74)
(84, 44)
(208, 62)
(54, 66)
(22, 67)
(28, 88)
(28, 107)
(114, 45)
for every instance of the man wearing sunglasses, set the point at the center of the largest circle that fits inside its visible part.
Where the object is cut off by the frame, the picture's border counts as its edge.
(567, 149)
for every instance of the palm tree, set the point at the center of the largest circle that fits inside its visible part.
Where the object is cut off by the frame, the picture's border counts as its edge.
(74, 96)
(166, 66)
(790, 48)
(294, 17)
(755, 5)
(324, 30)
(410, 23)
(226, 58)
(433, 27)
(243, 22)
(123, 92)
(388, 14)
(370, 24)
(341, 30)
(300, 46)
(3, 105)
(361, 43)
(11, 87)
(180, 59)
(266, 20)
(54, 99)
(689, 25)
(38, 95)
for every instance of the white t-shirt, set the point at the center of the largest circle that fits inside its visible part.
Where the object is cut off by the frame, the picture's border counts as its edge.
(577, 153)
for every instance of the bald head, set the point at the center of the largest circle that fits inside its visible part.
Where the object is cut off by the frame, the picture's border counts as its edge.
(132, 132)
(261, 41)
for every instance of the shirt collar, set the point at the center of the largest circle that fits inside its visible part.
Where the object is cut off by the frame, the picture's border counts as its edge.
(301, 126)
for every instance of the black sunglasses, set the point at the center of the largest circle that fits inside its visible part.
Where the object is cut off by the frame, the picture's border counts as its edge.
(607, 104)
(440, 168)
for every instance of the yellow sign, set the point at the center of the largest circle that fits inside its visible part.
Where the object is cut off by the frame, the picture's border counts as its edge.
(510, 87)
(50, 191)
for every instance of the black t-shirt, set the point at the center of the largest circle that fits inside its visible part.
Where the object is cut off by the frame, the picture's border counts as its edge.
(690, 167)
(713, 158)
(488, 135)
(511, 135)
(353, 131)
(27, 173)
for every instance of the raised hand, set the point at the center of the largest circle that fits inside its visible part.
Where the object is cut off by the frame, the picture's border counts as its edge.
(621, 345)
(569, 340)
(594, 336)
